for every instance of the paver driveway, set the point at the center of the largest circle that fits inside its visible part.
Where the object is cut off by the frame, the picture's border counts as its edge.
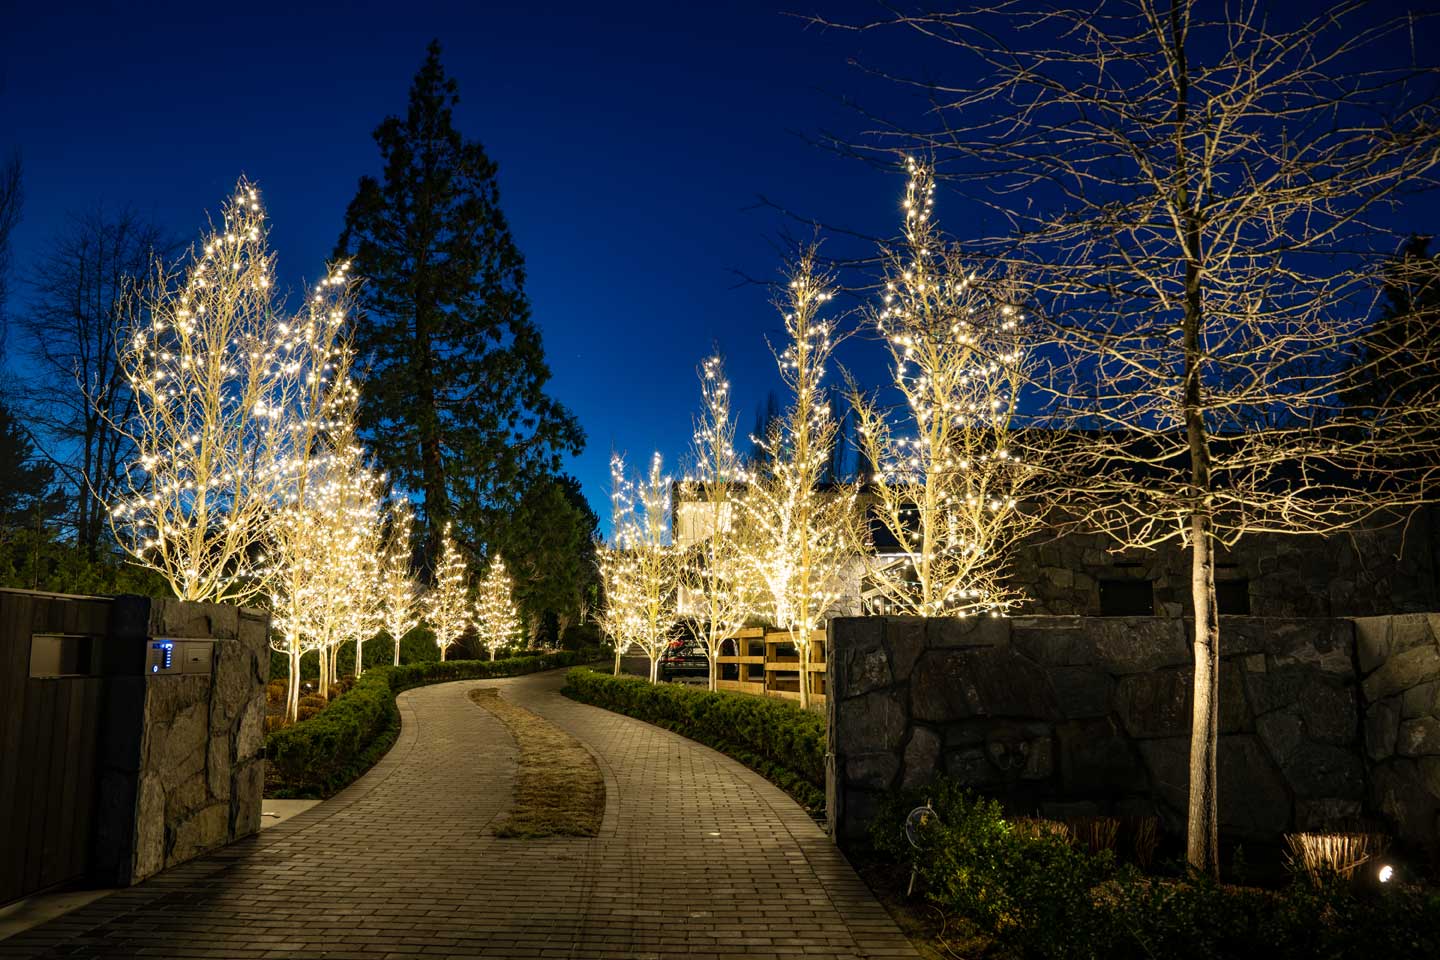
(697, 857)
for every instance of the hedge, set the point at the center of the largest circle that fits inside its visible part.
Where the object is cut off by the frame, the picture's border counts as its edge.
(319, 756)
(776, 738)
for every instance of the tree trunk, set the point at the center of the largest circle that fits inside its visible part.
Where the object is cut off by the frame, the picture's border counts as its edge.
(292, 689)
(714, 654)
(617, 659)
(492, 653)
(1203, 842)
(654, 669)
(359, 656)
(804, 650)
(397, 651)
(323, 678)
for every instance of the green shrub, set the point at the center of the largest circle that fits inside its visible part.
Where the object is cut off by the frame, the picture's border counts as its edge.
(1032, 890)
(775, 737)
(1040, 896)
(318, 756)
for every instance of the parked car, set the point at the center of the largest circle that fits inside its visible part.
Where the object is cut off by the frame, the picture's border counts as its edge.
(684, 659)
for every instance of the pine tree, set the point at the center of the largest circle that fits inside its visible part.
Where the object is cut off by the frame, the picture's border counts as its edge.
(455, 403)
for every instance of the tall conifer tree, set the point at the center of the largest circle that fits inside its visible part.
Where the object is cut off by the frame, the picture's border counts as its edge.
(455, 401)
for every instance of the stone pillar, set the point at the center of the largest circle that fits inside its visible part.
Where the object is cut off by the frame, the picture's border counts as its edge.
(181, 771)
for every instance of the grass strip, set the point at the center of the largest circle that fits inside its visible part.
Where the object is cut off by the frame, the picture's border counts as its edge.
(559, 791)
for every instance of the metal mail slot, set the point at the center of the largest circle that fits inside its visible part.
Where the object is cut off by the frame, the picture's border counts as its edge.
(168, 656)
(63, 655)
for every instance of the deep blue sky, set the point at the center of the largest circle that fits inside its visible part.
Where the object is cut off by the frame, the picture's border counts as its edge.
(633, 142)
(632, 146)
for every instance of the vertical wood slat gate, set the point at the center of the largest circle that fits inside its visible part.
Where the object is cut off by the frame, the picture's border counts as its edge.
(49, 728)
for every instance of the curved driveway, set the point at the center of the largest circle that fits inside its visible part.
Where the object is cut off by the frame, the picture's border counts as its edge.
(698, 857)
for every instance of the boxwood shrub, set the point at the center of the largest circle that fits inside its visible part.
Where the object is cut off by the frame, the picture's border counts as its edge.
(776, 738)
(319, 756)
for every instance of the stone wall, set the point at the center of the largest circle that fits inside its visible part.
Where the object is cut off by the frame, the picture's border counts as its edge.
(1062, 716)
(1358, 573)
(1399, 658)
(183, 771)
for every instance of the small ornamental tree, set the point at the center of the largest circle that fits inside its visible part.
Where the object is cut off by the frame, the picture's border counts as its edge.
(399, 591)
(802, 538)
(496, 617)
(714, 578)
(323, 551)
(221, 426)
(648, 562)
(447, 606)
(616, 615)
(948, 482)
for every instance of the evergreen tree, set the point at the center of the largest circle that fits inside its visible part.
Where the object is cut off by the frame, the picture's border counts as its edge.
(28, 497)
(455, 403)
(550, 543)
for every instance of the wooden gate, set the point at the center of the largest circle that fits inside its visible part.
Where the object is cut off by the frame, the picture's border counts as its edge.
(50, 709)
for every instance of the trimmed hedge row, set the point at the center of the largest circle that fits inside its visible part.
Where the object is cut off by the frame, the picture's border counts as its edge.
(319, 756)
(776, 738)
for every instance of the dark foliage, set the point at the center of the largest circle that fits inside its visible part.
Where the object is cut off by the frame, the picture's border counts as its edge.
(1040, 896)
(454, 402)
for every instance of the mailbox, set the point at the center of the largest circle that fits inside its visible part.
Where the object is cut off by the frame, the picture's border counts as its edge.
(170, 656)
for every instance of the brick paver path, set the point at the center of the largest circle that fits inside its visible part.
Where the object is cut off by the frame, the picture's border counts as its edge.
(697, 857)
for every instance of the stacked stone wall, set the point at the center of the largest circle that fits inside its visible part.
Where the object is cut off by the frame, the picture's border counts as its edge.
(183, 771)
(1357, 573)
(1063, 716)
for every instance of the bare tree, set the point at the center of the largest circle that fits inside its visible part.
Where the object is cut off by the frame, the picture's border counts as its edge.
(227, 403)
(447, 605)
(398, 589)
(1198, 192)
(497, 618)
(715, 577)
(951, 490)
(647, 562)
(801, 538)
(88, 287)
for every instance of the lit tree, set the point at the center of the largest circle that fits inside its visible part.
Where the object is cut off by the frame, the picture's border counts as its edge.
(360, 554)
(715, 576)
(803, 537)
(949, 490)
(616, 616)
(496, 618)
(647, 562)
(216, 371)
(398, 589)
(447, 606)
(1202, 191)
(323, 551)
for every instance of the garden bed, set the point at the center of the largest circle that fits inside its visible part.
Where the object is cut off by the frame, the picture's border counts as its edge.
(985, 886)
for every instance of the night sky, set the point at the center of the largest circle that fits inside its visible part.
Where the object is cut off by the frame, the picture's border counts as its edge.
(633, 147)
(634, 142)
